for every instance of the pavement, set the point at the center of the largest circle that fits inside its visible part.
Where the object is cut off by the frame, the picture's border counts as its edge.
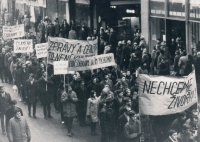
(50, 130)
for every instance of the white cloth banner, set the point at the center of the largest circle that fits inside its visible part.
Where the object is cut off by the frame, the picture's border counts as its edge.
(23, 46)
(163, 95)
(13, 31)
(93, 62)
(61, 67)
(37, 3)
(41, 50)
(60, 49)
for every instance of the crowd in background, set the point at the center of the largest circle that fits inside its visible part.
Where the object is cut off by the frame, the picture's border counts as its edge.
(106, 95)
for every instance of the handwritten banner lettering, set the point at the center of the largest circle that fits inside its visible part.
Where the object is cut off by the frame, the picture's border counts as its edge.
(23, 46)
(41, 50)
(10, 32)
(90, 63)
(60, 49)
(61, 67)
(163, 95)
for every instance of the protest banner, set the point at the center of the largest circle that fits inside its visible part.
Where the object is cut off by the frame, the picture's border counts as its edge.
(41, 50)
(93, 62)
(61, 67)
(16, 31)
(163, 95)
(60, 49)
(23, 46)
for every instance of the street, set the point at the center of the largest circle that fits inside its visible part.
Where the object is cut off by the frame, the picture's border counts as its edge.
(50, 130)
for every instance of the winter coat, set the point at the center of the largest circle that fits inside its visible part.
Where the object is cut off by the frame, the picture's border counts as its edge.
(181, 64)
(176, 60)
(32, 91)
(177, 125)
(27, 22)
(69, 103)
(4, 102)
(57, 29)
(185, 138)
(110, 83)
(45, 96)
(10, 113)
(130, 131)
(18, 130)
(106, 116)
(117, 105)
(41, 29)
(122, 120)
(92, 108)
(163, 69)
(72, 35)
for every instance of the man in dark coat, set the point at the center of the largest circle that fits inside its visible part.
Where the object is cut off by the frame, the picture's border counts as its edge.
(81, 92)
(65, 29)
(2, 67)
(41, 29)
(172, 136)
(45, 94)
(23, 76)
(32, 94)
(177, 124)
(94, 86)
(107, 117)
(122, 120)
(176, 60)
(5, 101)
(11, 112)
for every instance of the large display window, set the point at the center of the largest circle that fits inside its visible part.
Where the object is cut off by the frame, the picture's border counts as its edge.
(194, 10)
(157, 7)
(176, 8)
(194, 38)
(157, 30)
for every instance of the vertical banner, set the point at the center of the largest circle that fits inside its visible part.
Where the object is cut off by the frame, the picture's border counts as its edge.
(41, 50)
(60, 49)
(16, 31)
(23, 46)
(163, 95)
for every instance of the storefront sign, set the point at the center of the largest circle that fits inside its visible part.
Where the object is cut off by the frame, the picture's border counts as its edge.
(164, 95)
(91, 63)
(41, 50)
(60, 49)
(37, 3)
(16, 31)
(23, 46)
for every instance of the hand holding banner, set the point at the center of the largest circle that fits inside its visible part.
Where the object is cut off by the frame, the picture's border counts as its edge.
(41, 50)
(23, 46)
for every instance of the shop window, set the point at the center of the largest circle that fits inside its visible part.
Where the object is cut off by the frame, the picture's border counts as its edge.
(157, 30)
(157, 7)
(177, 8)
(194, 10)
(194, 38)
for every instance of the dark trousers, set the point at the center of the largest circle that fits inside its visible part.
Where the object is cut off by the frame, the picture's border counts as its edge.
(105, 137)
(23, 94)
(1, 74)
(93, 126)
(68, 122)
(34, 108)
(47, 109)
(8, 76)
(81, 113)
(61, 112)
(2, 117)
(55, 102)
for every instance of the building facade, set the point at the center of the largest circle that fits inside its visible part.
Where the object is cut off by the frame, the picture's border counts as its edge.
(171, 19)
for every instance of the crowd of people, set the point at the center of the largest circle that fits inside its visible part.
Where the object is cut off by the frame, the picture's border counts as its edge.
(106, 95)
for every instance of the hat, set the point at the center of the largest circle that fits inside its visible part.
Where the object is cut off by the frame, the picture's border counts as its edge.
(28, 62)
(186, 126)
(131, 113)
(13, 102)
(31, 75)
(177, 52)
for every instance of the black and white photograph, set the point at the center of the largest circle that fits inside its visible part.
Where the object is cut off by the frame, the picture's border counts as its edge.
(99, 70)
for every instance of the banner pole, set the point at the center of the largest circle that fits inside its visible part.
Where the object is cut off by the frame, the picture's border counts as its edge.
(64, 82)
(46, 74)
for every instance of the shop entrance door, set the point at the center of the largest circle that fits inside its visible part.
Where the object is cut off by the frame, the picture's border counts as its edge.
(174, 29)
